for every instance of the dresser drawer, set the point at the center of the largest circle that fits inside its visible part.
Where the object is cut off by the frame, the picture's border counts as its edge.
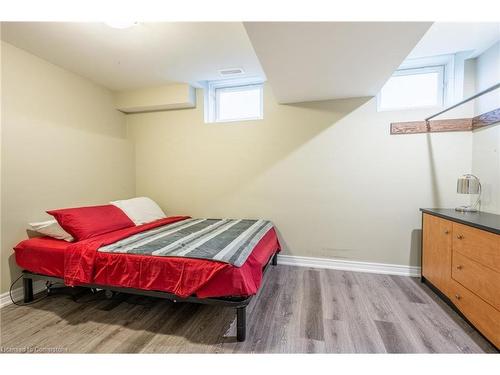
(477, 244)
(484, 316)
(479, 279)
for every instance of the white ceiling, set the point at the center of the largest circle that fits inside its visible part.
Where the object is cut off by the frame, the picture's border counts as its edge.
(307, 61)
(303, 61)
(447, 38)
(148, 54)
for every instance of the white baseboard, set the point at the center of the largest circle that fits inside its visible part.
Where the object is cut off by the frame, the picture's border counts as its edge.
(349, 265)
(17, 293)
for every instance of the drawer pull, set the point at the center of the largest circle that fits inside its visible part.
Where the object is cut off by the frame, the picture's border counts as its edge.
(446, 231)
(459, 267)
(457, 296)
(460, 236)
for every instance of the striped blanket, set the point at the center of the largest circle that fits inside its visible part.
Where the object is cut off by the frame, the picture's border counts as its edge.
(224, 240)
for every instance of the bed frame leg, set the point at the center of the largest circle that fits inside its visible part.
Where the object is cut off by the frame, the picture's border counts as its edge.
(241, 323)
(274, 261)
(28, 289)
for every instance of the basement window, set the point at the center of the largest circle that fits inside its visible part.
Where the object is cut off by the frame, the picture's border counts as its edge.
(413, 88)
(426, 82)
(233, 100)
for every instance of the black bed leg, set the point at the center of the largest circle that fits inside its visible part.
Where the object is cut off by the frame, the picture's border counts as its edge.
(241, 323)
(274, 261)
(28, 289)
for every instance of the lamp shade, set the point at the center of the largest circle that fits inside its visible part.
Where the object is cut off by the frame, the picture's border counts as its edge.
(468, 184)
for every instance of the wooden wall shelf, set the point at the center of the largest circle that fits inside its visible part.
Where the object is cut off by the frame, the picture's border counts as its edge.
(451, 125)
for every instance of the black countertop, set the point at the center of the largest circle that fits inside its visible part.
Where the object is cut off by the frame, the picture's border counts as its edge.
(481, 220)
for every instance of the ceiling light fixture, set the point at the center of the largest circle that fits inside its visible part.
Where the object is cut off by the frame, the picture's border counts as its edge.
(120, 24)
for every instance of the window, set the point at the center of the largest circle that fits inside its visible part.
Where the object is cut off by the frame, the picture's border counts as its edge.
(420, 83)
(233, 100)
(413, 88)
(238, 103)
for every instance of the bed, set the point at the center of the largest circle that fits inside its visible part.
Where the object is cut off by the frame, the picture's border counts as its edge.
(135, 260)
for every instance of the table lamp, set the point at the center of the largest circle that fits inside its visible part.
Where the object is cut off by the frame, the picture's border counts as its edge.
(469, 184)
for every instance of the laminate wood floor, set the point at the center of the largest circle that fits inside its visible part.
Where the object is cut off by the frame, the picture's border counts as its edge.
(298, 310)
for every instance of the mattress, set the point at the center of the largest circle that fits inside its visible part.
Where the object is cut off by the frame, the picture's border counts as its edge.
(178, 275)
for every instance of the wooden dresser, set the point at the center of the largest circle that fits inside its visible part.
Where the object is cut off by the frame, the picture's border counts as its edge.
(461, 259)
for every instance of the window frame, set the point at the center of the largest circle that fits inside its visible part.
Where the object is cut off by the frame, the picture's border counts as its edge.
(214, 88)
(444, 64)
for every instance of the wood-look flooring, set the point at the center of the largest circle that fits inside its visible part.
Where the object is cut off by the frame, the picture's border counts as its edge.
(298, 310)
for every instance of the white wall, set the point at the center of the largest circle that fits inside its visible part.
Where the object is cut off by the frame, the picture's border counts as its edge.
(328, 174)
(486, 142)
(488, 74)
(63, 144)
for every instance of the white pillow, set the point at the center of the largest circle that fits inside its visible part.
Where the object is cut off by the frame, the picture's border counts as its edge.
(51, 228)
(140, 210)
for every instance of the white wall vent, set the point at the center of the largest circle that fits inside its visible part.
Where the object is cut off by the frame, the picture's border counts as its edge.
(231, 72)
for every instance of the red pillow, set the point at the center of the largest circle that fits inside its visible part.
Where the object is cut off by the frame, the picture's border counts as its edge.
(86, 222)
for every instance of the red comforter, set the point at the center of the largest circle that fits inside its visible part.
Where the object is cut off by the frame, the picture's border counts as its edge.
(83, 264)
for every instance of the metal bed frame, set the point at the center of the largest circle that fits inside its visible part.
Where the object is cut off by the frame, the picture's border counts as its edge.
(239, 303)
